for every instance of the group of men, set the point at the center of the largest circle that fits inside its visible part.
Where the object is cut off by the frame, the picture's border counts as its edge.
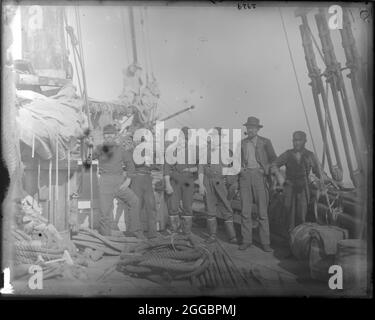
(122, 178)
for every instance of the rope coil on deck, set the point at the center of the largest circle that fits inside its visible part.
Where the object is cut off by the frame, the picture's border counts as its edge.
(178, 257)
(29, 253)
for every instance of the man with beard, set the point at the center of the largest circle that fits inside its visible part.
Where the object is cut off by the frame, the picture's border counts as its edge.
(179, 185)
(142, 186)
(114, 183)
(212, 185)
(257, 154)
(299, 162)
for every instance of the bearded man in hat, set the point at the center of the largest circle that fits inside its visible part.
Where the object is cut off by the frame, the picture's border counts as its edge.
(212, 184)
(114, 183)
(257, 154)
(299, 163)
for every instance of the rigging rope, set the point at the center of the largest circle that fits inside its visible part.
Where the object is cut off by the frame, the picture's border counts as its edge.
(148, 41)
(145, 52)
(79, 33)
(304, 108)
(74, 55)
(125, 36)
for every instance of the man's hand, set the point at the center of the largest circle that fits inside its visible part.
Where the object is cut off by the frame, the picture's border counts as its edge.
(279, 188)
(168, 188)
(232, 190)
(202, 189)
(125, 184)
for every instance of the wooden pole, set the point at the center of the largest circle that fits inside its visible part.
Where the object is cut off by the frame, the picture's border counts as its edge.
(38, 181)
(56, 181)
(91, 197)
(49, 190)
(68, 193)
(133, 36)
(33, 147)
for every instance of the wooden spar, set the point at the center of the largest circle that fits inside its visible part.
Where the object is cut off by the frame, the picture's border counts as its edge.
(38, 180)
(338, 86)
(91, 197)
(321, 89)
(68, 191)
(133, 36)
(177, 113)
(57, 180)
(57, 167)
(89, 156)
(354, 64)
(30, 79)
(49, 190)
(33, 147)
(314, 73)
(320, 19)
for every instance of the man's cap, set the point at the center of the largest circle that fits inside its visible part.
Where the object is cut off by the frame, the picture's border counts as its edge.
(185, 130)
(109, 128)
(299, 135)
(253, 121)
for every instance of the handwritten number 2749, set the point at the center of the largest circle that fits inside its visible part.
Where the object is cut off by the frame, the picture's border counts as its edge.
(244, 5)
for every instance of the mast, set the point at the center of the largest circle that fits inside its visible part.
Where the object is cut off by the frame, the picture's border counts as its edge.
(336, 82)
(353, 62)
(318, 90)
(133, 36)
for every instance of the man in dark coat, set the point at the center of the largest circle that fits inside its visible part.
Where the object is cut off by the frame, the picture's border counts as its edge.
(212, 185)
(179, 185)
(299, 163)
(114, 183)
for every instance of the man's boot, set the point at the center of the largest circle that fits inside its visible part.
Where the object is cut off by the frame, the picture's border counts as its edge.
(187, 222)
(212, 227)
(229, 228)
(174, 222)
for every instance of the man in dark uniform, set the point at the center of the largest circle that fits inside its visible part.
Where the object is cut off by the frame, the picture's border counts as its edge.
(179, 185)
(299, 163)
(114, 182)
(142, 186)
(212, 184)
(257, 154)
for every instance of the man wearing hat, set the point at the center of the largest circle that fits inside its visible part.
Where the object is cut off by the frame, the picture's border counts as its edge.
(299, 162)
(212, 184)
(257, 154)
(114, 183)
(179, 184)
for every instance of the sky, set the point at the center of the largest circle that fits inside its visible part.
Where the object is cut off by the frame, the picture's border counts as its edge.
(228, 63)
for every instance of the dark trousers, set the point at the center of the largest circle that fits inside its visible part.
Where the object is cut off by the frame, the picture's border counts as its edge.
(295, 206)
(109, 189)
(142, 186)
(253, 189)
(183, 189)
(216, 195)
